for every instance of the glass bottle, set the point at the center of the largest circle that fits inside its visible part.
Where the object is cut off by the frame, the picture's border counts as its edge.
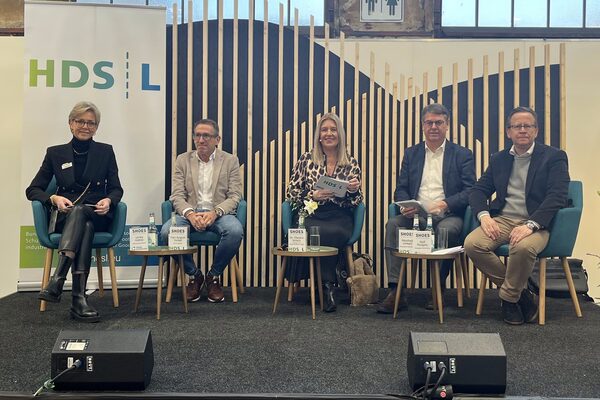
(152, 231)
(430, 229)
(416, 222)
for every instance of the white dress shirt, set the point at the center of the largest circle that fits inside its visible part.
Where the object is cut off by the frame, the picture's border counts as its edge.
(205, 172)
(432, 184)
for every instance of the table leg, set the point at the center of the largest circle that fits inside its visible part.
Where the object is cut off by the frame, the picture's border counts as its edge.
(399, 287)
(291, 290)
(280, 279)
(312, 286)
(171, 274)
(161, 261)
(319, 281)
(138, 294)
(438, 289)
(458, 269)
(183, 285)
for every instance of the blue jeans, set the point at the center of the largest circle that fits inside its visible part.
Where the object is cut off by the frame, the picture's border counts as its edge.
(228, 227)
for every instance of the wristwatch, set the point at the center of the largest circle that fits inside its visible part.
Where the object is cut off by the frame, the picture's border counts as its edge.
(531, 225)
(219, 212)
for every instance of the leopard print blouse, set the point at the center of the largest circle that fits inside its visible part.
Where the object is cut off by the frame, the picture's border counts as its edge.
(306, 174)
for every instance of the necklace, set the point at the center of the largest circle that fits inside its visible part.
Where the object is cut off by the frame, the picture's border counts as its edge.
(80, 154)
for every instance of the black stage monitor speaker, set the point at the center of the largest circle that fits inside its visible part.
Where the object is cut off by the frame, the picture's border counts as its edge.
(475, 362)
(111, 360)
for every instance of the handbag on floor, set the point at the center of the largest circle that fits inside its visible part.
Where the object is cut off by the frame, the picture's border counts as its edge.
(362, 282)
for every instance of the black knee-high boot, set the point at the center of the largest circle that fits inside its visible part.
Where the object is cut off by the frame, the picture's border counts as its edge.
(54, 288)
(329, 299)
(80, 309)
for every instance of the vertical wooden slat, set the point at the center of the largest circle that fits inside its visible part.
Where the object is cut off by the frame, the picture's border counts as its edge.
(326, 71)
(341, 85)
(371, 138)
(532, 77)
(234, 96)
(190, 74)
(455, 132)
(417, 114)
(311, 81)
(402, 131)
(265, 147)
(356, 98)
(295, 126)
(409, 114)
(517, 79)
(348, 123)
(547, 88)
(280, 135)
(363, 151)
(486, 112)
(249, 152)
(469, 142)
(205, 59)
(440, 85)
(425, 89)
(386, 143)
(377, 187)
(394, 145)
(272, 207)
(220, 66)
(174, 91)
(563, 97)
(500, 102)
(256, 223)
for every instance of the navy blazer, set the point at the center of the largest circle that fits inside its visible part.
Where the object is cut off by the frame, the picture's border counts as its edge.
(546, 188)
(101, 171)
(458, 175)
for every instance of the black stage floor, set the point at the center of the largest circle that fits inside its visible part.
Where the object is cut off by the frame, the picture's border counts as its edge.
(241, 348)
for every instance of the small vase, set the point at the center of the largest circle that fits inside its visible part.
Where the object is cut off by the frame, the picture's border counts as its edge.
(301, 221)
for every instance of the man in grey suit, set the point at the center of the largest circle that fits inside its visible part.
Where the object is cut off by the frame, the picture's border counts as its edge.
(439, 174)
(206, 190)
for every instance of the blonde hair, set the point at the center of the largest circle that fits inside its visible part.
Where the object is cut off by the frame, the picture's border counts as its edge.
(317, 151)
(81, 108)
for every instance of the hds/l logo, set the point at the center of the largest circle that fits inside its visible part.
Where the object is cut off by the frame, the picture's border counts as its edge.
(76, 74)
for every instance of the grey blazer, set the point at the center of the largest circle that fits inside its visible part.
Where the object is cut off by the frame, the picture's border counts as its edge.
(226, 183)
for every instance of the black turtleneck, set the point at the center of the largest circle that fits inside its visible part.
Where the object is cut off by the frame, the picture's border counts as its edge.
(80, 155)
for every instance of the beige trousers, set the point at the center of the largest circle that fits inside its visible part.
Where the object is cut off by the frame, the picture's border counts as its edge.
(512, 277)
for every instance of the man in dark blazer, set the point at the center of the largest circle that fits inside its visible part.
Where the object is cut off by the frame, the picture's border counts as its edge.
(439, 174)
(531, 183)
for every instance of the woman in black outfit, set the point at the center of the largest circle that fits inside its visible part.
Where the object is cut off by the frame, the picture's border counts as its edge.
(88, 190)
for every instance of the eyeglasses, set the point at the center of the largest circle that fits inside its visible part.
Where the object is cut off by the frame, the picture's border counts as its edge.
(522, 126)
(203, 136)
(80, 123)
(437, 123)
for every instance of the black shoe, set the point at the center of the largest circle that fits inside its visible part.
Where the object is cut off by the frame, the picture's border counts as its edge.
(54, 288)
(387, 305)
(80, 309)
(328, 297)
(511, 313)
(528, 306)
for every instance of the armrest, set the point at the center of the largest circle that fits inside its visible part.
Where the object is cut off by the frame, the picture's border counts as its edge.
(241, 212)
(359, 218)
(393, 210)
(40, 222)
(286, 216)
(166, 209)
(118, 224)
(563, 233)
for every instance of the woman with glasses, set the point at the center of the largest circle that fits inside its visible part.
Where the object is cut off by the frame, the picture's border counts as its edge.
(87, 191)
(334, 214)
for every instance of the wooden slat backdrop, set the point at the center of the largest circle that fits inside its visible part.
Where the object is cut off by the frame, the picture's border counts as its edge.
(380, 122)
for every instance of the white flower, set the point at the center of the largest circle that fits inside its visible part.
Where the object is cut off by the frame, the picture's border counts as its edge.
(310, 206)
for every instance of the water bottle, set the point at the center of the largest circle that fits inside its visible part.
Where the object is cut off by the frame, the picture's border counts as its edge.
(416, 222)
(152, 231)
(173, 218)
(429, 228)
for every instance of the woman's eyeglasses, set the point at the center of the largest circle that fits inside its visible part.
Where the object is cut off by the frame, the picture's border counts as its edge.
(80, 123)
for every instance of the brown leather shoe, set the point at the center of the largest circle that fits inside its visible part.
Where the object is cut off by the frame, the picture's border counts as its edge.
(387, 305)
(215, 292)
(194, 288)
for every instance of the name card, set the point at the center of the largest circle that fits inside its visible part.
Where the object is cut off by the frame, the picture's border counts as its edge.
(338, 187)
(138, 238)
(297, 239)
(178, 237)
(417, 242)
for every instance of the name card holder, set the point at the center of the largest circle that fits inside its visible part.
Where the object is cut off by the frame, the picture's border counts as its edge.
(416, 242)
(178, 237)
(138, 238)
(297, 239)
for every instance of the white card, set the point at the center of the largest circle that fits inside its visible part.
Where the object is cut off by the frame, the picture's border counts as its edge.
(178, 237)
(297, 239)
(138, 238)
(338, 187)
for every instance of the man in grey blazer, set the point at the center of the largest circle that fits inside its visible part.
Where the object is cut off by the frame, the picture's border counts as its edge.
(439, 174)
(206, 190)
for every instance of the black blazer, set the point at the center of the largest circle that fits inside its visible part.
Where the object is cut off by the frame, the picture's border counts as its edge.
(101, 171)
(458, 175)
(546, 188)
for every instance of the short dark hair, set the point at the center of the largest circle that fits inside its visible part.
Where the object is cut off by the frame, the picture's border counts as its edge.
(521, 109)
(206, 121)
(435, 108)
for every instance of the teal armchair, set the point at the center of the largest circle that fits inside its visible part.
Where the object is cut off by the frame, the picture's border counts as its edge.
(102, 240)
(212, 239)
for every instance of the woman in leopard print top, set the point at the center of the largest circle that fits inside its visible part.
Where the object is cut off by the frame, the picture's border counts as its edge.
(334, 215)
